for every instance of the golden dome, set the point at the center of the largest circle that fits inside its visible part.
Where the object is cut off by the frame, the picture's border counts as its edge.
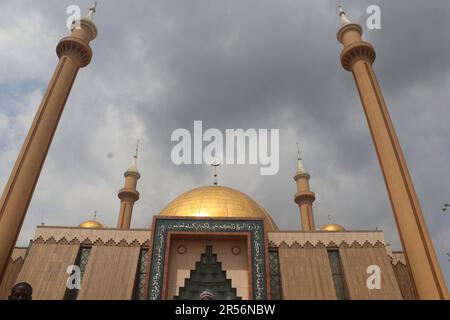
(333, 227)
(217, 202)
(91, 224)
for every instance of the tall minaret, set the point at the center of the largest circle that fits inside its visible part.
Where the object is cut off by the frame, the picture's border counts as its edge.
(358, 57)
(304, 197)
(128, 195)
(74, 53)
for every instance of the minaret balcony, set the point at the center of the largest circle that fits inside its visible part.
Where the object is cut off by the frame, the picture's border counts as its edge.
(72, 46)
(128, 194)
(301, 197)
(360, 50)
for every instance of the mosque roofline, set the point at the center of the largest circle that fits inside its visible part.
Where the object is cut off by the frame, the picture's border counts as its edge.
(207, 218)
(105, 228)
(324, 231)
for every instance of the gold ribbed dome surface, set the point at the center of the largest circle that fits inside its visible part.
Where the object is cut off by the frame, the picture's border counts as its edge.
(332, 227)
(217, 202)
(91, 224)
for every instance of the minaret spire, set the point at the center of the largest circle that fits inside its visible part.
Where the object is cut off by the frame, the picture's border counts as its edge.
(357, 57)
(133, 167)
(344, 19)
(304, 197)
(74, 52)
(215, 164)
(92, 10)
(300, 167)
(128, 195)
(137, 150)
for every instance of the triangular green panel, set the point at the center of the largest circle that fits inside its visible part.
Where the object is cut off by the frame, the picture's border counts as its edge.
(208, 274)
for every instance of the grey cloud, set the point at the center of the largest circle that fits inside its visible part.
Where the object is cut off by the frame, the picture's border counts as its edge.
(160, 65)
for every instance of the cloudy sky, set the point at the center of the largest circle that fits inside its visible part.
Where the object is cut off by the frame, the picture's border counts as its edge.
(159, 65)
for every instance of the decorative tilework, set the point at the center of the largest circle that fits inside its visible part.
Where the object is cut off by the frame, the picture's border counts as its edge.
(275, 281)
(139, 286)
(164, 225)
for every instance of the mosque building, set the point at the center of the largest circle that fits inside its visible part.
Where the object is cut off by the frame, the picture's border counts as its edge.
(216, 239)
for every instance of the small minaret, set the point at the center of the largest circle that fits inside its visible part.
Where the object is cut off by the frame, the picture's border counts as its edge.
(357, 57)
(304, 197)
(128, 195)
(74, 53)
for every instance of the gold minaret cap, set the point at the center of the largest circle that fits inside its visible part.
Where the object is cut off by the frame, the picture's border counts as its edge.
(344, 19)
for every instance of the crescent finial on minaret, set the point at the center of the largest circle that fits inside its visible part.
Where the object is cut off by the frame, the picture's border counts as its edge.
(137, 149)
(344, 19)
(92, 10)
(300, 167)
(133, 167)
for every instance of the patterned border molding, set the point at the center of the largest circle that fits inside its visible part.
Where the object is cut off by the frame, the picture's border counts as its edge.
(315, 237)
(18, 254)
(19, 259)
(397, 258)
(101, 237)
(164, 225)
(320, 244)
(87, 241)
